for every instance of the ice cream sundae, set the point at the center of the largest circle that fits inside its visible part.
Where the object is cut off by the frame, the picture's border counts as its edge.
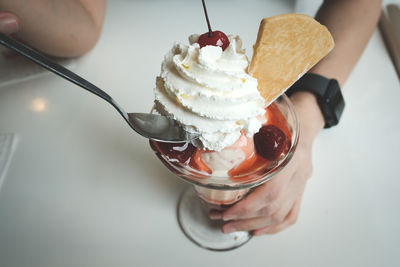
(247, 127)
(210, 87)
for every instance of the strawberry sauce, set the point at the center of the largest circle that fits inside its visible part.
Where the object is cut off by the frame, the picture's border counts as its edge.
(270, 144)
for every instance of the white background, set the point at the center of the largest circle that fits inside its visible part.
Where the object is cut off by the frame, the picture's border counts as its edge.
(84, 190)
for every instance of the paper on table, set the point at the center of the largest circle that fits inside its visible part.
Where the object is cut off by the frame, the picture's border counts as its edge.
(15, 68)
(7, 147)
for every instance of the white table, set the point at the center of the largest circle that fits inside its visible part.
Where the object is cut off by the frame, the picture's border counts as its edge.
(82, 189)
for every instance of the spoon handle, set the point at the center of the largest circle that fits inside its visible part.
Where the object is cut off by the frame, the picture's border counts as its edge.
(50, 65)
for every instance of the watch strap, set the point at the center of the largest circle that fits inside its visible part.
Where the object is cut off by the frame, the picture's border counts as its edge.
(327, 91)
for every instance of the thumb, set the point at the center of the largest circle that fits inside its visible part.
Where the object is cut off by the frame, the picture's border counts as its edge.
(9, 23)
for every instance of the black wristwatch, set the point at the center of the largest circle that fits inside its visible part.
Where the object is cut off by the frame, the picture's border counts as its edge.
(328, 93)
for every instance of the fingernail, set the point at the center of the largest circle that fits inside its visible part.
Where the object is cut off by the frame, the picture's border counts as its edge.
(228, 217)
(257, 233)
(8, 25)
(215, 215)
(226, 229)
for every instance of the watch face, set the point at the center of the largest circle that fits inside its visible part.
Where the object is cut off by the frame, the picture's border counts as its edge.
(334, 102)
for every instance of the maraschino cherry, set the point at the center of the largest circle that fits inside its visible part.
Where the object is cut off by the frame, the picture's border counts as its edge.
(215, 38)
(271, 142)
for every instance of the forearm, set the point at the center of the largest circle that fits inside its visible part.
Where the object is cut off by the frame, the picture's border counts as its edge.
(351, 23)
(60, 28)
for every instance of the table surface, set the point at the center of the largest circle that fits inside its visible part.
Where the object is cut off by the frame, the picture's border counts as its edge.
(83, 189)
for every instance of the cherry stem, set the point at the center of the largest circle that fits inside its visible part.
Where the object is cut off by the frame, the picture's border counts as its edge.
(208, 21)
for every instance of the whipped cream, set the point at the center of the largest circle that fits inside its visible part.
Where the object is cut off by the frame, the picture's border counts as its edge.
(209, 92)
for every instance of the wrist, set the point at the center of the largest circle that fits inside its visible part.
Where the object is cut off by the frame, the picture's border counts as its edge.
(309, 114)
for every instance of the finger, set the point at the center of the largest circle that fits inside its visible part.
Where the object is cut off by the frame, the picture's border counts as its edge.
(246, 224)
(259, 221)
(215, 215)
(290, 219)
(9, 23)
(264, 197)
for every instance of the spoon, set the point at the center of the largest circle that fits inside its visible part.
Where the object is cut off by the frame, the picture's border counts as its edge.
(151, 126)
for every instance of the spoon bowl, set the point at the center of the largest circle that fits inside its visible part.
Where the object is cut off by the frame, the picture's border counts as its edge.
(159, 128)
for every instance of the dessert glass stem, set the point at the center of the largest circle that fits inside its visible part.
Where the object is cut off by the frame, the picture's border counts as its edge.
(193, 210)
(220, 197)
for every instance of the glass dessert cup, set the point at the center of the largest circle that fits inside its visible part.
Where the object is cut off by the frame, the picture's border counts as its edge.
(213, 192)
